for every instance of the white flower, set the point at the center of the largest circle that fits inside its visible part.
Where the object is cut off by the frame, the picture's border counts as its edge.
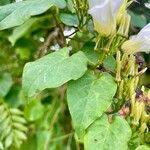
(139, 42)
(104, 13)
(147, 5)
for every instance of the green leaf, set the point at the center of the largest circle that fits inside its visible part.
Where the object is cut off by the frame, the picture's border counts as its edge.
(138, 20)
(1, 146)
(21, 30)
(102, 135)
(70, 6)
(53, 70)
(69, 19)
(14, 98)
(31, 110)
(29, 144)
(43, 139)
(142, 147)
(23, 53)
(92, 55)
(88, 98)
(12, 126)
(5, 84)
(110, 63)
(4, 2)
(17, 13)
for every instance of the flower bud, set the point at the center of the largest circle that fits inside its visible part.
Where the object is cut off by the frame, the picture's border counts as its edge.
(124, 24)
(104, 13)
(123, 11)
(137, 112)
(143, 128)
(139, 42)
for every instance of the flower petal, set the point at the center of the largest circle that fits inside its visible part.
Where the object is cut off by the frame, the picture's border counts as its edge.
(139, 42)
(145, 32)
(116, 4)
(93, 3)
(104, 13)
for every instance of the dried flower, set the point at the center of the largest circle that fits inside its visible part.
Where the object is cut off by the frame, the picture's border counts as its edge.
(104, 13)
(139, 42)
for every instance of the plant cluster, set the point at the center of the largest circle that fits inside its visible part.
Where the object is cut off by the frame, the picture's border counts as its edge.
(73, 76)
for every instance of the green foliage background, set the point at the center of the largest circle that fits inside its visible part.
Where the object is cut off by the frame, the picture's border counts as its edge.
(43, 122)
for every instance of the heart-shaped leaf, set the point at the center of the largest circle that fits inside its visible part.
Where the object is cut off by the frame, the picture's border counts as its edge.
(88, 98)
(53, 70)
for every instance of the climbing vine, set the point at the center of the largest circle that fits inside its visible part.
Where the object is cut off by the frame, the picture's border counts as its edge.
(74, 75)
